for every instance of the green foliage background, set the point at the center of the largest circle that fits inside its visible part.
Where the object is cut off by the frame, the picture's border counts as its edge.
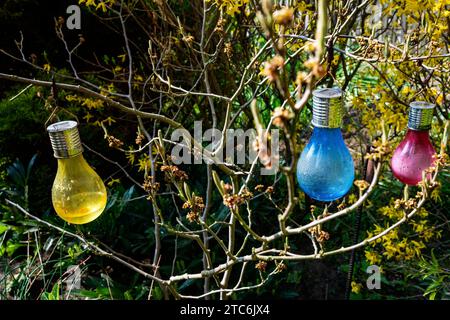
(27, 169)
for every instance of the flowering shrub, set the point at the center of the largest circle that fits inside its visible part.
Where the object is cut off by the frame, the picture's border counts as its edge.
(193, 230)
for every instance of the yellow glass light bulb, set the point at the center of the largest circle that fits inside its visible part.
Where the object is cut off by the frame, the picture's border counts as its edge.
(78, 193)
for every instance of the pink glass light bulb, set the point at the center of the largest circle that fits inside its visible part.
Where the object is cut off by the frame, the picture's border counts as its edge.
(415, 153)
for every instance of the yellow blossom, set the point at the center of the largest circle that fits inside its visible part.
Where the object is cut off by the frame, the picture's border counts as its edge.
(372, 257)
(101, 5)
(122, 57)
(143, 162)
(113, 181)
(47, 67)
(131, 156)
(88, 117)
(356, 287)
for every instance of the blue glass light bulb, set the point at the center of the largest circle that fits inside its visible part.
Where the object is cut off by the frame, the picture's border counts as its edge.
(325, 170)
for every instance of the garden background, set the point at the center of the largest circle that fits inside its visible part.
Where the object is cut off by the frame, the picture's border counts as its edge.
(230, 64)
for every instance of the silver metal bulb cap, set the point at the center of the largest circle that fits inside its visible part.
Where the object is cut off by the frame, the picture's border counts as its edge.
(328, 109)
(65, 139)
(420, 115)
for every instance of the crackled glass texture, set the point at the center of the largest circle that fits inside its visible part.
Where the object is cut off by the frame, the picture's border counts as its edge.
(78, 194)
(325, 170)
(413, 155)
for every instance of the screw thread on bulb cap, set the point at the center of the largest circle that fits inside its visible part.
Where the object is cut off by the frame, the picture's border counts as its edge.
(65, 139)
(420, 115)
(327, 108)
